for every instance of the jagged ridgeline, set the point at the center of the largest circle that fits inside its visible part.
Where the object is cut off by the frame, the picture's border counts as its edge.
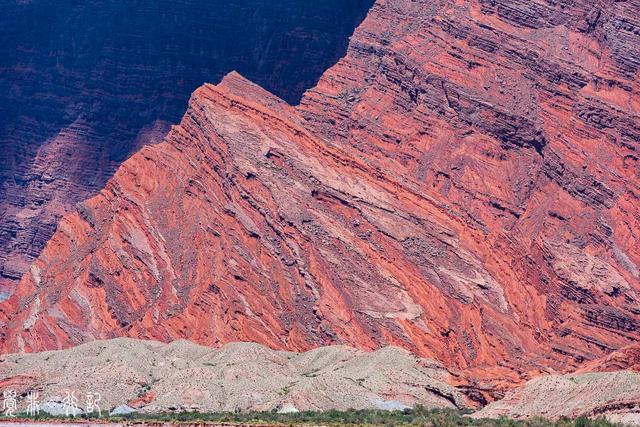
(85, 84)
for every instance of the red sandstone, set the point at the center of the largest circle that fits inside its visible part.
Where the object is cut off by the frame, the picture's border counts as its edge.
(464, 184)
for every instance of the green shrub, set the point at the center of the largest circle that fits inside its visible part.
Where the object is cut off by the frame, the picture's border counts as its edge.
(418, 416)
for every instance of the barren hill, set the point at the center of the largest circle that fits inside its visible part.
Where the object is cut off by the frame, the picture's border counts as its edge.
(153, 377)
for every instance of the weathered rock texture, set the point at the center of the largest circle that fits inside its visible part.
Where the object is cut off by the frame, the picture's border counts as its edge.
(627, 358)
(614, 395)
(85, 84)
(154, 377)
(463, 184)
(521, 120)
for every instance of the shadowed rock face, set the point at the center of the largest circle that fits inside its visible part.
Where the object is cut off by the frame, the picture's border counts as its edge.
(464, 184)
(85, 84)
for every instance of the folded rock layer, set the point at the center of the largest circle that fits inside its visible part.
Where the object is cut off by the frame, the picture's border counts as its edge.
(463, 184)
(83, 85)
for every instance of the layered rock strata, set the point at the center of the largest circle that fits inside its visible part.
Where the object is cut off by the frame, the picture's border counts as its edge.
(463, 184)
(83, 85)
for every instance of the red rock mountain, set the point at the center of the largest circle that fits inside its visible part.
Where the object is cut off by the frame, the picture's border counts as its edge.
(83, 85)
(464, 183)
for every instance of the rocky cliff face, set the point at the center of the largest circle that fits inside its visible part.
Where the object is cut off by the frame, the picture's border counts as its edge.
(85, 84)
(522, 118)
(464, 184)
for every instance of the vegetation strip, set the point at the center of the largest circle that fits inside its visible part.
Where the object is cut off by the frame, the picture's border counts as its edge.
(418, 416)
